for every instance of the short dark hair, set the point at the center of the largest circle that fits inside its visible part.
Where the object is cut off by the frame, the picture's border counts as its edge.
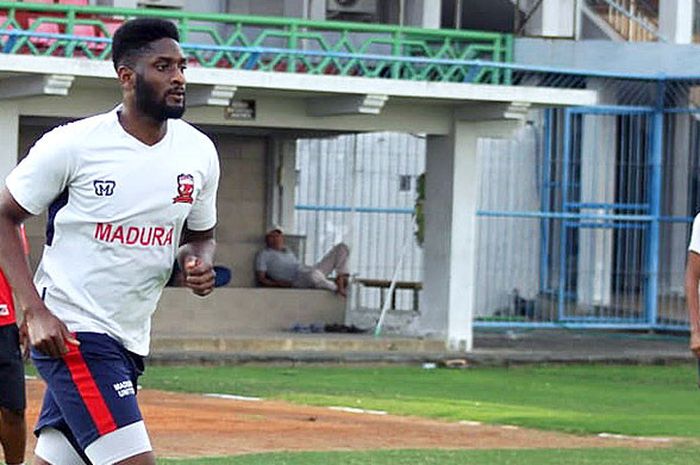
(135, 36)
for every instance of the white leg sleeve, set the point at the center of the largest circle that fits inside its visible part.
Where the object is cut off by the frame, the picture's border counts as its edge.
(53, 447)
(119, 445)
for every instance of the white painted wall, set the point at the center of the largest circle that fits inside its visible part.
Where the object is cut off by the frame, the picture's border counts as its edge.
(423, 13)
(552, 18)
(676, 19)
(362, 170)
(508, 248)
(9, 134)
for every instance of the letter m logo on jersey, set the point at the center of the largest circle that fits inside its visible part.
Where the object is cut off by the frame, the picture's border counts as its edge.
(104, 188)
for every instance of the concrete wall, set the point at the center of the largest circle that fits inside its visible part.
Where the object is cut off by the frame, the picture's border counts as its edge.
(241, 205)
(232, 311)
(605, 55)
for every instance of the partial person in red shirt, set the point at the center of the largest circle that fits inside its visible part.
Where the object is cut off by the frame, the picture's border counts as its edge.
(13, 430)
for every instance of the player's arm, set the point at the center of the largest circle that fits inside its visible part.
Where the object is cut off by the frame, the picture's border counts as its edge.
(265, 281)
(196, 260)
(692, 280)
(46, 332)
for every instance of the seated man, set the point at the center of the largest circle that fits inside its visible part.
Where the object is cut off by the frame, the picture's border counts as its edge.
(276, 266)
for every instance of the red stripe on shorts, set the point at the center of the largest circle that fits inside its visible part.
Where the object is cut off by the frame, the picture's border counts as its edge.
(89, 391)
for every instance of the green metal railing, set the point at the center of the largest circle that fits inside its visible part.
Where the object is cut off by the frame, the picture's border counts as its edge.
(266, 43)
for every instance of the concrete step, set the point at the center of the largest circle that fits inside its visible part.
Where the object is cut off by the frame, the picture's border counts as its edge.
(296, 343)
(490, 348)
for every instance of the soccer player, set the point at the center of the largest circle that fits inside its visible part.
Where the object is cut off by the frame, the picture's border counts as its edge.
(13, 430)
(692, 281)
(127, 193)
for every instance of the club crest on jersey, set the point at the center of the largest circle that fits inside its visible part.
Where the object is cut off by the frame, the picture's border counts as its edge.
(104, 188)
(4, 310)
(185, 189)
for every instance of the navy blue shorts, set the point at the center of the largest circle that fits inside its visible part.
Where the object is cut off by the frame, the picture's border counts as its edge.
(12, 392)
(91, 391)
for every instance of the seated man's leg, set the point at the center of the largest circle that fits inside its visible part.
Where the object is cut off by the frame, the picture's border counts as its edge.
(91, 401)
(336, 260)
(315, 279)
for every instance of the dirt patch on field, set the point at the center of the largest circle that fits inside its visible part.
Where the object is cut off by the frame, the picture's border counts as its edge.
(188, 425)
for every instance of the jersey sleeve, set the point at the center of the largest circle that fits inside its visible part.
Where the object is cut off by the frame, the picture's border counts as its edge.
(694, 245)
(203, 214)
(42, 175)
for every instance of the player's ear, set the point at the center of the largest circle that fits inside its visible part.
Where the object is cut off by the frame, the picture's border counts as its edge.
(126, 76)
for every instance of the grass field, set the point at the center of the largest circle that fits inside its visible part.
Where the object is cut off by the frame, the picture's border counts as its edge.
(633, 400)
(584, 399)
(678, 456)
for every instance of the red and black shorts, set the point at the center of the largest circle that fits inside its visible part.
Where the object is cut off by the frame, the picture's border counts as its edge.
(12, 390)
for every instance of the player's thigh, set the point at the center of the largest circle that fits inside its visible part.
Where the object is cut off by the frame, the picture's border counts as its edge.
(147, 458)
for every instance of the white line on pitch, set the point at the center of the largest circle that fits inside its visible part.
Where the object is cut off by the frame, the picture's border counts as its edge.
(633, 438)
(234, 397)
(358, 410)
(470, 423)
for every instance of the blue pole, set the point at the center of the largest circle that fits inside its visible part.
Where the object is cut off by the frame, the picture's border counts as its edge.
(655, 166)
(545, 200)
(564, 199)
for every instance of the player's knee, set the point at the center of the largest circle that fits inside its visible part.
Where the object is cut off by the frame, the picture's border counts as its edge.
(344, 247)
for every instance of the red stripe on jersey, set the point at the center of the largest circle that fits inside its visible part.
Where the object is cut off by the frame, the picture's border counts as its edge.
(89, 391)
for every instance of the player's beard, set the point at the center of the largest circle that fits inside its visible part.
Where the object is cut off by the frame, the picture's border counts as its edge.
(149, 104)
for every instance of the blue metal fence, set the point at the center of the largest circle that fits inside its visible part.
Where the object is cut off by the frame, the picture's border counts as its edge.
(616, 192)
(584, 220)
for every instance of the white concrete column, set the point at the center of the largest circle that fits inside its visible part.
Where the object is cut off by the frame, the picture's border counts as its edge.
(423, 13)
(595, 245)
(295, 8)
(597, 178)
(552, 18)
(118, 3)
(316, 10)
(675, 197)
(450, 248)
(676, 20)
(282, 182)
(9, 135)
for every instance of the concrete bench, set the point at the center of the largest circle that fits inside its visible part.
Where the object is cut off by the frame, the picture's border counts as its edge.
(233, 311)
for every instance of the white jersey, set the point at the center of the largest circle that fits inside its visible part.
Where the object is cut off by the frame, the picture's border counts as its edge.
(694, 245)
(116, 209)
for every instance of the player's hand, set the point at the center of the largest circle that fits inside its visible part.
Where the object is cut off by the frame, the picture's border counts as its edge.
(199, 276)
(695, 343)
(47, 334)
